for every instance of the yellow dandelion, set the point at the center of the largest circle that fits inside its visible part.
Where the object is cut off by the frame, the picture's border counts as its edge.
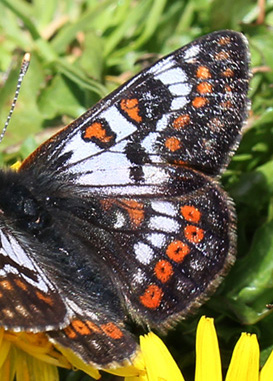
(32, 357)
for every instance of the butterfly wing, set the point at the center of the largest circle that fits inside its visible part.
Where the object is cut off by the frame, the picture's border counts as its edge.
(131, 181)
(187, 108)
(29, 300)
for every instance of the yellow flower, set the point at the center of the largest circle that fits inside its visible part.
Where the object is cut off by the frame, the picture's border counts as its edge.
(31, 357)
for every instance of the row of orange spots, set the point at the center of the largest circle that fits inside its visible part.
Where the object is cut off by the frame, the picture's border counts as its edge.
(97, 130)
(202, 73)
(172, 144)
(131, 108)
(152, 296)
(87, 327)
(192, 233)
(176, 251)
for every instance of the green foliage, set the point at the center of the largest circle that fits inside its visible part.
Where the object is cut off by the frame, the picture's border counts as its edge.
(81, 50)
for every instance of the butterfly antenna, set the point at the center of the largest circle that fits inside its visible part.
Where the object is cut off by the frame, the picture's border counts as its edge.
(23, 70)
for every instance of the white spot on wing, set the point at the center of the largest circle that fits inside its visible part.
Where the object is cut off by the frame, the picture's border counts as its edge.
(118, 123)
(139, 277)
(180, 89)
(157, 239)
(81, 150)
(163, 122)
(172, 76)
(178, 103)
(120, 220)
(164, 207)
(166, 224)
(144, 253)
(191, 52)
(149, 142)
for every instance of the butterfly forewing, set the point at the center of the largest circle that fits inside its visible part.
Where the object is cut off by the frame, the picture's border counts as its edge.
(131, 221)
(187, 108)
(28, 298)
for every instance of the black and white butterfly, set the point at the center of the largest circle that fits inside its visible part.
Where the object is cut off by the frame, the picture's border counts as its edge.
(120, 215)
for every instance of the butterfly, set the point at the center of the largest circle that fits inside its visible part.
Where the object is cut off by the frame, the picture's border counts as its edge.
(120, 217)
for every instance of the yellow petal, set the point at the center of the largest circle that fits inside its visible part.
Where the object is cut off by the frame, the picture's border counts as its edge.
(244, 365)
(267, 371)
(208, 361)
(136, 368)
(78, 362)
(158, 361)
(4, 348)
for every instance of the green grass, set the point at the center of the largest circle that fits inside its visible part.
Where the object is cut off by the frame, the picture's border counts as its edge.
(81, 50)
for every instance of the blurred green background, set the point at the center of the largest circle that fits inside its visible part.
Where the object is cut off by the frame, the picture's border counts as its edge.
(81, 50)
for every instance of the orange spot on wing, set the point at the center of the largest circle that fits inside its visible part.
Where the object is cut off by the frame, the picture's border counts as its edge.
(70, 332)
(228, 89)
(134, 209)
(224, 40)
(179, 162)
(203, 72)
(96, 130)
(181, 121)
(177, 250)
(190, 213)
(199, 102)
(111, 330)
(226, 105)
(173, 144)
(6, 285)
(163, 271)
(44, 298)
(194, 234)
(228, 73)
(204, 88)
(107, 203)
(131, 108)
(92, 326)
(223, 55)
(21, 284)
(152, 296)
(80, 327)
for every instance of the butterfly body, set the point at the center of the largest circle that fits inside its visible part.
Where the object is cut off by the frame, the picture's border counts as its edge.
(120, 215)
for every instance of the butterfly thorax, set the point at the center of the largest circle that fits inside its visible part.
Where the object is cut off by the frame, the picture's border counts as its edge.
(18, 204)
